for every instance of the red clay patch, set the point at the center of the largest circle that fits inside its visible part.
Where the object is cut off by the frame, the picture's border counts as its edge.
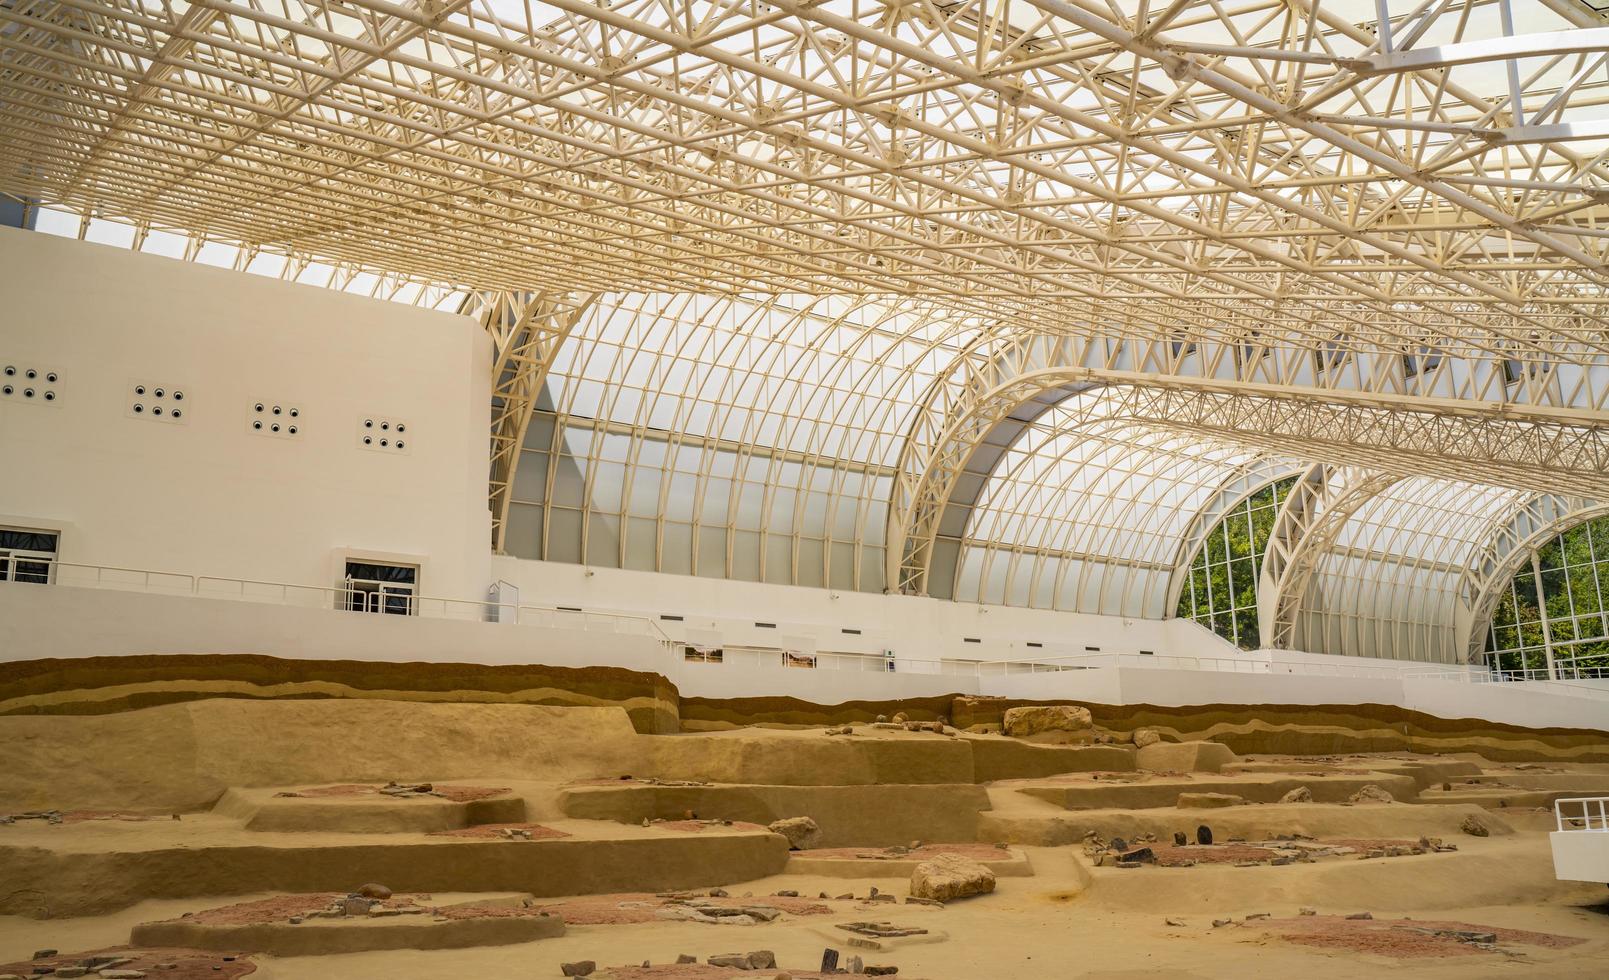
(977, 852)
(186, 964)
(279, 908)
(457, 794)
(631, 908)
(1402, 938)
(495, 830)
(698, 971)
(1365, 844)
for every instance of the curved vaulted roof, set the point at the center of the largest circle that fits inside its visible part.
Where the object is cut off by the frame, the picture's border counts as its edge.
(994, 299)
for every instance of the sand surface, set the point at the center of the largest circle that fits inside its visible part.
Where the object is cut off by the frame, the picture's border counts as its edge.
(1072, 918)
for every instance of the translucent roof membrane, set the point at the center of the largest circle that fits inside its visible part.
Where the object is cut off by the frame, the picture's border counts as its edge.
(727, 436)
(1089, 512)
(1390, 584)
(272, 264)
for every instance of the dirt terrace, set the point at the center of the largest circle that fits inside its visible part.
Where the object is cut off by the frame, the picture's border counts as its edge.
(632, 908)
(698, 971)
(535, 831)
(168, 963)
(457, 794)
(977, 852)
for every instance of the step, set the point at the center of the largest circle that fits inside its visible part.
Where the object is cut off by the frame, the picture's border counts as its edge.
(360, 808)
(849, 816)
(872, 863)
(456, 922)
(92, 868)
(1148, 793)
(1262, 822)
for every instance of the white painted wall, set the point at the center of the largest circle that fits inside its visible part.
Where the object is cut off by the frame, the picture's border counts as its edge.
(1580, 855)
(208, 496)
(915, 628)
(65, 621)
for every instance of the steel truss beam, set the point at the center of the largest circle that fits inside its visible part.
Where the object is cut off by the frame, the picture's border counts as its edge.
(526, 330)
(1019, 160)
(1315, 511)
(1400, 442)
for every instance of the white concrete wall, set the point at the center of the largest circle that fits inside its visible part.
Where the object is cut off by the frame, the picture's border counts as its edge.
(1580, 855)
(915, 628)
(60, 621)
(56, 621)
(209, 496)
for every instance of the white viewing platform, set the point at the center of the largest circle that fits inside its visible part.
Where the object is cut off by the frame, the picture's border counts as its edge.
(1581, 842)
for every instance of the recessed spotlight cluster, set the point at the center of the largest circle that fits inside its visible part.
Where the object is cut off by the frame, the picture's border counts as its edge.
(384, 435)
(271, 418)
(29, 384)
(158, 402)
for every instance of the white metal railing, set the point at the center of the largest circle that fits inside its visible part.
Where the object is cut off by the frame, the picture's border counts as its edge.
(325, 597)
(1582, 813)
(487, 610)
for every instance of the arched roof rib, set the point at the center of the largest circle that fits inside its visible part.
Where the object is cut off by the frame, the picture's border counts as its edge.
(1091, 511)
(1391, 582)
(750, 437)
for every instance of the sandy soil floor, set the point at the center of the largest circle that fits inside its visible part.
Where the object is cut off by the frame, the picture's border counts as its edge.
(1492, 909)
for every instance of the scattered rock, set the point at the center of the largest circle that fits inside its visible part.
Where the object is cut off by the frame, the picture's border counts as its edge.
(829, 961)
(1473, 827)
(950, 876)
(44, 954)
(801, 832)
(1179, 839)
(882, 719)
(1300, 794)
(1144, 737)
(1220, 923)
(1446, 787)
(1305, 910)
(1040, 719)
(1140, 855)
(762, 959)
(1360, 915)
(1175, 923)
(372, 890)
(686, 958)
(914, 900)
(1371, 794)
(1203, 834)
(901, 718)
(738, 960)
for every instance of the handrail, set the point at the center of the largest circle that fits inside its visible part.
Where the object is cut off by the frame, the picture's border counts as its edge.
(1594, 816)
